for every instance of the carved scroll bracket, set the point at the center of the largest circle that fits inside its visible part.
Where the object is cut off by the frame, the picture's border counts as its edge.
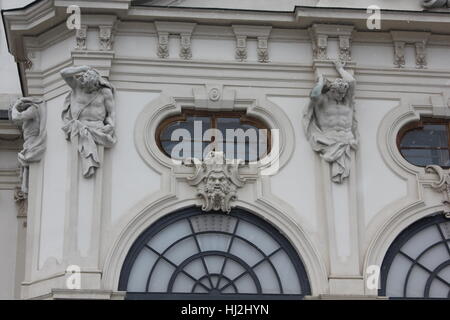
(442, 185)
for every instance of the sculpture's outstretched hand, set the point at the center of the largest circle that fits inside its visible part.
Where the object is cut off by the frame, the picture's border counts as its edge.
(339, 64)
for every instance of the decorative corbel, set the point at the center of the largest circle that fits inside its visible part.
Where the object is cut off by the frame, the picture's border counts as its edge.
(421, 56)
(261, 33)
(217, 181)
(320, 47)
(345, 53)
(403, 38)
(183, 29)
(81, 37)
(106, 38)
(163, 45)
(185, 47)
(241, 48)
(442, 185)
(263, 53)
(320, 33)
(399, 54)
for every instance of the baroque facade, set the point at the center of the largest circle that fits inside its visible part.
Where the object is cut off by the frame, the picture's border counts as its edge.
(343, 194)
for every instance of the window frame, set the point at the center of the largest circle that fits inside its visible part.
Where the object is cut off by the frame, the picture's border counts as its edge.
(213, 115)
(395, 249)
(420, 124)
(240, 214)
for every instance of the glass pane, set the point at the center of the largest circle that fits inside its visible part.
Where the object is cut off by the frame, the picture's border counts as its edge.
(246, 252)
(161, 276)
(189, 133)
(246, 284)
(420, 241)
(416, 283)
(214, 264)
(397, 276)
(169, 235)
(433, 257)
(183, 284)
(432, 135)
(232, 269)
(267, 278)
(424, 157)
(182, 250)
(213, 242)
(438, 289)
(213, 222)
(445, 274)
(140, 271)
(257, 236)
(287, 273)
(241, 141)
(195, 269)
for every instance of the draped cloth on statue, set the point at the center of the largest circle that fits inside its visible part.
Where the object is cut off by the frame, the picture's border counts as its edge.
(90, 135)
(334, 146)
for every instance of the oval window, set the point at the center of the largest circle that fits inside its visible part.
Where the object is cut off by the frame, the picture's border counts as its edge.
(193, 134)
(426, 142)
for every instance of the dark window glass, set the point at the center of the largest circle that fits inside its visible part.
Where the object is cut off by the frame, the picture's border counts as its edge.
(194, 134)
(426, 142)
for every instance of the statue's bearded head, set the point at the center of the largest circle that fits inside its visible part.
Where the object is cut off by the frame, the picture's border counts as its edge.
(217, 187)
(337, 89)
(90, 80)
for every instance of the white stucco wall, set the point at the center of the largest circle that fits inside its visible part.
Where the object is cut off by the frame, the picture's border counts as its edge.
(132, 185)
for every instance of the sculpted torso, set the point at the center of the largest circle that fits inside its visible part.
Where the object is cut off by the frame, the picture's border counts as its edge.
(334, 116)
(95, 111)
(31, 126)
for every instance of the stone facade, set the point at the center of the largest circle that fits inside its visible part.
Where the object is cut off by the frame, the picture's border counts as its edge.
(262, 60)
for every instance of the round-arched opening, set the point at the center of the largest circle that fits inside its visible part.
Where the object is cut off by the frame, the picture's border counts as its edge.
(191, 254)
(417, 264)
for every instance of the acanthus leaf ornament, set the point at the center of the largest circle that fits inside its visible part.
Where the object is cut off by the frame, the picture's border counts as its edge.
(442, 185)
(217, 180)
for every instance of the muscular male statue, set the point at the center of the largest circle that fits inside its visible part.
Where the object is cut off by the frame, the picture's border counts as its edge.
(29, 113)
(89, 114)
(329, 122)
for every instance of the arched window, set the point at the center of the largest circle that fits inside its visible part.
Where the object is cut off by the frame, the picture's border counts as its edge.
(426, 142)
(192, 254)
(195, 133)
(417, 265)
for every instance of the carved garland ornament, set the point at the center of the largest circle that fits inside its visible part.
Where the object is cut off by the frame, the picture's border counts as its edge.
(217, 180)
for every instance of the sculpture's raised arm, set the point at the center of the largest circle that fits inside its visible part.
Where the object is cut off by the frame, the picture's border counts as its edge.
(317, 90)
(69, 73)
(346, 76)
(26, 113)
